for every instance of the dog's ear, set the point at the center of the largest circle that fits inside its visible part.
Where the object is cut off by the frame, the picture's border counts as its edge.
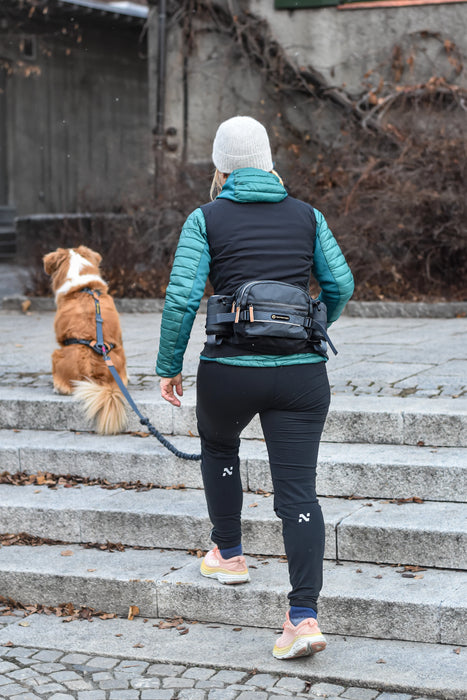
(89, 254)
(52, 261)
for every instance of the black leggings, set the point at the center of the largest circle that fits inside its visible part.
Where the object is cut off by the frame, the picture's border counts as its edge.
(292, 402)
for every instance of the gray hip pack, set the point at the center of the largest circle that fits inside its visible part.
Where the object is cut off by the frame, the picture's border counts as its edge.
(269, 317)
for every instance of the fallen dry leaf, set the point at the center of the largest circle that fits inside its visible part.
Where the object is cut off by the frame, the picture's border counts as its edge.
(253, 505)
(184, 631)
(457, 650)
(138, 646)
(26, 304)
(119, 635)
(66, 553)
(18, 345)
(8, 644)
(23, 624)
(381, 661)
(236, 629)
(134, 610)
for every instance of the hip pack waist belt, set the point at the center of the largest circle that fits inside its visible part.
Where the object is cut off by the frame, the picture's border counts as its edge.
(267, 315)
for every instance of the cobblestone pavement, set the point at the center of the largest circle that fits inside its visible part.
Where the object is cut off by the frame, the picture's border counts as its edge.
(30, 674)
(420, 357)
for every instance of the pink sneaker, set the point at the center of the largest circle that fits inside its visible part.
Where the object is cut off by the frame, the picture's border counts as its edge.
(233, 570)
(300, 640)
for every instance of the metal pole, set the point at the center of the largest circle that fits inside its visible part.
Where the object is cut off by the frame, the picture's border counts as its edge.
(160, 97)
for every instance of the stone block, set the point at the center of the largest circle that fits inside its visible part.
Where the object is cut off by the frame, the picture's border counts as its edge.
(426, 534)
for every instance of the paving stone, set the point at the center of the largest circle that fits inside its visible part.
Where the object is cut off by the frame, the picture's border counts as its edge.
(48, 655)
(191, 694)
(75, 659)
(225, 694)
(156, 695)
(253, 695)
(200, 674)
(21, 652)
(101, 662)
(80, 684)
(4, 680)
(31, 696)
(296, 685)
(124, 695)
(229, 677)
(165, 670)
(11, 689)
(262, 680)
(394, 696)
(323, 690)
(6, 666)
(114, 684)
(140, 682)
(101, 676)
(48, 688)
(91, 695)
(22, 674)
(58, 696)
(359, 694)
(131, 665)
(61, 676)
(210, 683)
(178, 682)
(48, 667)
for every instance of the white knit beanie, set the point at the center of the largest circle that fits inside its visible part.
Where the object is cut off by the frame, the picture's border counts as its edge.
(241, 142)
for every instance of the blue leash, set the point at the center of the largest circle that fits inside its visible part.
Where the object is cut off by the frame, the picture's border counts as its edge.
(101, 348)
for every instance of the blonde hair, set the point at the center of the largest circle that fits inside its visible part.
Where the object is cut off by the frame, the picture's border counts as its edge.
(218, 182)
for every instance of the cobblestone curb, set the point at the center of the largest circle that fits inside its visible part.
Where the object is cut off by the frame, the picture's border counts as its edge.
(358, 309)
(30, 674)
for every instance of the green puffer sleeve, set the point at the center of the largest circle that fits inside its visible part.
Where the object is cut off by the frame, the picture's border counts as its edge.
(331, 270)
(186, 287)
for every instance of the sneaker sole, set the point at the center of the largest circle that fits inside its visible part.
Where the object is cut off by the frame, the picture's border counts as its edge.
(223, 576)
(302, 646)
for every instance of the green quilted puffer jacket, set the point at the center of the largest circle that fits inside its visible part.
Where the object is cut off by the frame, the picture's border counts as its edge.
(192, 266)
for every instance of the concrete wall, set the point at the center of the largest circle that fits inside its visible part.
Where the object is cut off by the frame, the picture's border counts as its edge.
(77, 118)
(344, 44)
(352, 49)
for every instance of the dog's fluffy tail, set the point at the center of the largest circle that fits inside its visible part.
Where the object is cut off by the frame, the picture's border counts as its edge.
(103, 405)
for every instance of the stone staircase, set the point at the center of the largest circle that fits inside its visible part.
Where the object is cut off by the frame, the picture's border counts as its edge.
(392, 479)
(7, 233)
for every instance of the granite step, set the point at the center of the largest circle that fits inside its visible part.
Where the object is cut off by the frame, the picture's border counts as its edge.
(420, 534)
(365, 600)
(397, 668)
(363, 419)
(373, 471)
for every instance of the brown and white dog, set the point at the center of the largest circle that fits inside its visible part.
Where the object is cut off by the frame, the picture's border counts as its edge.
(78, 369)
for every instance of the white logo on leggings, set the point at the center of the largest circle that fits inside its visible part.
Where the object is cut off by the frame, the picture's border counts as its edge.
(228, 471)
(302, 518)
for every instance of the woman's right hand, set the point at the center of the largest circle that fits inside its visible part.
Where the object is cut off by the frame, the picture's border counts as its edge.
(168, 384)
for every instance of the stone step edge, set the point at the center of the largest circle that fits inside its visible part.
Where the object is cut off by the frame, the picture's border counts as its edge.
(169, 584)
(361, 309)
(360, 469)
(440, 422)
(356, 530)
(390, 666)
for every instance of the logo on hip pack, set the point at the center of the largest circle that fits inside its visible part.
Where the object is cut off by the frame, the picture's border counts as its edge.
(302, 518)
(228, 471)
